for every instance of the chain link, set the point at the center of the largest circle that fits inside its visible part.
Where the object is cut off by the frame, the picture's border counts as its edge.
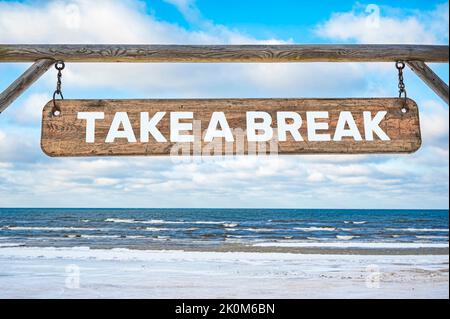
(400, 65)
(58, 91)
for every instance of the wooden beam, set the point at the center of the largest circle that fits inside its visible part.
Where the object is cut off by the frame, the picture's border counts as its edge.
(24, 82)
(224, 53)
(430, 78)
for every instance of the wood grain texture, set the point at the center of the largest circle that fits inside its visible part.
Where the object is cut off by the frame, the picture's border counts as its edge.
(430, 78)
(64, 135)
(20, 85)
(224, 53)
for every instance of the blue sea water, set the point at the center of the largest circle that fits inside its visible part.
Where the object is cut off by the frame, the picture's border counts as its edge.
(178, 228)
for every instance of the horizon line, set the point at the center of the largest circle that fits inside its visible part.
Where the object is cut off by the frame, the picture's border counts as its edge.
(228, 208)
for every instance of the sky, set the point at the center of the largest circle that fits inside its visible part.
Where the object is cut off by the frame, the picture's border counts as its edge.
(28, 178)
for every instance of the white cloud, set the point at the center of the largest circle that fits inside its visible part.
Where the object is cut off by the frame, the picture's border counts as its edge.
(189, 10)
(18, 145)
(30, 111)
(434, 122)
(102, 21)
(316, 177)
(375, 27)
(106, 181)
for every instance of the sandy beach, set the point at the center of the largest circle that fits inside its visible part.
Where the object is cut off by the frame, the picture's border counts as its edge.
(27, 272)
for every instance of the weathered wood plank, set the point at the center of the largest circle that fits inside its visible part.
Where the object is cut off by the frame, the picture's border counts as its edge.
(430, 78)
(20, 85)
(67, 135)
(224, 53)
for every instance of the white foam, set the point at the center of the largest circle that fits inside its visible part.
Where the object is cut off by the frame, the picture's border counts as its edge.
(53, 228)
(346, 237)
(162, 222)
(342, 245)
(120, 220)
(155, 229)
(309, 229)
(231, 225)
(100, 236)
(418, 229)
(124, 254)
(207, 222)
(156, 221)
(432, 237)
(259, 230)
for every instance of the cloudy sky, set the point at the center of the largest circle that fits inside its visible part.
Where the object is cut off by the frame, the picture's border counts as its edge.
(28, 178)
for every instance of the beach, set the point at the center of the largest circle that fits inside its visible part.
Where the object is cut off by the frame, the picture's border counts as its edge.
(80, 272)
(216, 253)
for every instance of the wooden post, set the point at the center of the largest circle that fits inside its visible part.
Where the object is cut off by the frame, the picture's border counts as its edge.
(430, 78)
(24, 82)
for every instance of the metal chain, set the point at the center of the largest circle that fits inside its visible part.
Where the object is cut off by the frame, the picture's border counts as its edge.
(59, 65)
(400, 65)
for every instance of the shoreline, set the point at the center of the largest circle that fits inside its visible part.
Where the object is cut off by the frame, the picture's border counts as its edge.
(242, 248)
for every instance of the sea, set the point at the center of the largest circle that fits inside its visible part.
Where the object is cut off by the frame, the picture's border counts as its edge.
(165, 229)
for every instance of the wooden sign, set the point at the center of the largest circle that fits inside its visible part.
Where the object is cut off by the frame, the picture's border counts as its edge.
(230, 126)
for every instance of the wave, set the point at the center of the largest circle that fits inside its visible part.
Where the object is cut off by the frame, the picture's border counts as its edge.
(231, 225)
(207, 223)
(162, 237)
(418, 229)
(360, 245)
(7, 245)
(121, 220)
(259, 230)
(346, 237)
(53, 228)
(308, 229)
(317, 239)
(432, 237)
(162, 222)
(155, 229)
(355, 223)
(95, 236)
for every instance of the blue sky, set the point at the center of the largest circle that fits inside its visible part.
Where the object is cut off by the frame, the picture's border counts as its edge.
(29, 178)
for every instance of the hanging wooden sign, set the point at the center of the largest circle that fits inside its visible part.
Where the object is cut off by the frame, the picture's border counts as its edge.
(230, 126)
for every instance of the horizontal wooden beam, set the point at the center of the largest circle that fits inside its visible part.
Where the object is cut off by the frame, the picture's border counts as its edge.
(430, 78)
(24, 82)
(224, 53)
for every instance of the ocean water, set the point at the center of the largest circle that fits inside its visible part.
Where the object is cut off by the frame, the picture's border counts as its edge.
(197, 228)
